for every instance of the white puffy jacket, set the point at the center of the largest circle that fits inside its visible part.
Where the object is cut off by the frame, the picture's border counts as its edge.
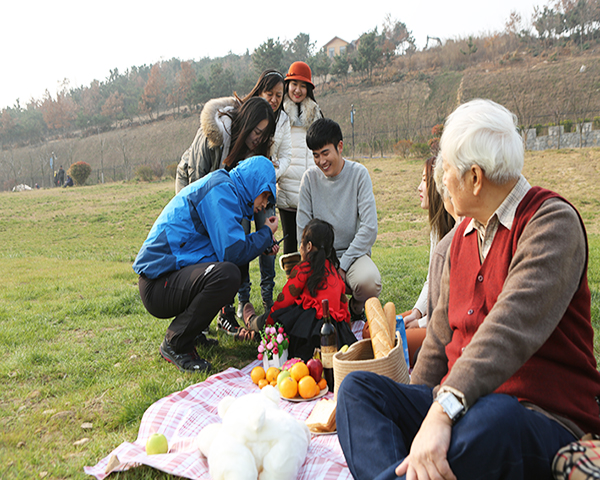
(281, 151)
(288, 182)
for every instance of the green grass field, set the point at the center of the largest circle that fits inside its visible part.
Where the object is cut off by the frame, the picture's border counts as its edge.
(78, 346)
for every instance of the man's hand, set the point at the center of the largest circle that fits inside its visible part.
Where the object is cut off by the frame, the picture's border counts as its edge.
(427, 459)
(272, 223)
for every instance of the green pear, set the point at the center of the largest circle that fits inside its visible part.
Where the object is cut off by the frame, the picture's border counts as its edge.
(282, 375)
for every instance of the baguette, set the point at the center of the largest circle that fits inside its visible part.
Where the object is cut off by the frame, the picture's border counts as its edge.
(390, 314)
(322, 418)
(378, 327)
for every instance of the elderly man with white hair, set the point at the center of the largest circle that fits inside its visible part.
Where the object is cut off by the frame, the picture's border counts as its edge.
(506, 375)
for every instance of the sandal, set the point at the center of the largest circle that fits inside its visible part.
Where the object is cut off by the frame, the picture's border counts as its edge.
(246, 335)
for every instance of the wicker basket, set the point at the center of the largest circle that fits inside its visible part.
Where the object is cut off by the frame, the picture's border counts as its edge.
(359, 357)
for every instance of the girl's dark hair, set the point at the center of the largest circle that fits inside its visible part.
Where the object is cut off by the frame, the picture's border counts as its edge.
(440, 221)
(321, 235)
(267, 81)
(244, 119)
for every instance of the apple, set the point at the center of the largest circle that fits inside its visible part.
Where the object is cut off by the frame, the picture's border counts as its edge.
(282, 376)
(315, 369)
(156, 443)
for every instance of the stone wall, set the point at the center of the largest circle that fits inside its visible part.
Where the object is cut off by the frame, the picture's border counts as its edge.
(557, 138)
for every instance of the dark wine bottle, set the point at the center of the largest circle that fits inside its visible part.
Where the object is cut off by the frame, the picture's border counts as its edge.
(328, 345)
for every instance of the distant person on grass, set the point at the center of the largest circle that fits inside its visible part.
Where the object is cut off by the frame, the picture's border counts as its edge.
(506, 375)
(340, 192)
(60, 177)
(197, 253)
(68, 182)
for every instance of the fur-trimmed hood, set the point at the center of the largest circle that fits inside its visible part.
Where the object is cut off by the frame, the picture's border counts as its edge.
(309, 112)
(213, 124)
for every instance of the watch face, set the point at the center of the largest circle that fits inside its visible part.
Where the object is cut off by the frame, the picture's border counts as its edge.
(450, 404)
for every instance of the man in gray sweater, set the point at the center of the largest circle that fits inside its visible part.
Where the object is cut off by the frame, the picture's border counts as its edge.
(340, 192)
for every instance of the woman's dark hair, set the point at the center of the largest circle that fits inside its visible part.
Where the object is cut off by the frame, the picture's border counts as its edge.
(244, 119)
(440, 221)
(321, 235)
(267, 81)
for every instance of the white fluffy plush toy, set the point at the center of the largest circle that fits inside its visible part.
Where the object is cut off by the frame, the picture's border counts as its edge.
(256, 440)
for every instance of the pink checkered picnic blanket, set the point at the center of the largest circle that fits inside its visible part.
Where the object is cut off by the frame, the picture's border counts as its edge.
(182, 415)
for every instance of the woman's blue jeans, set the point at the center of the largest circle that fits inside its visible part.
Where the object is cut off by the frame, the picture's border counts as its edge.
(498, 438)
(265, 262)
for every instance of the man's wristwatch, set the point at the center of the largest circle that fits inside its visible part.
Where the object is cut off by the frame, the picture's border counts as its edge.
(450, 404)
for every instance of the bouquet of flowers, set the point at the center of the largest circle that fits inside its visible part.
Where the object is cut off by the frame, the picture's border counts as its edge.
(274, 341)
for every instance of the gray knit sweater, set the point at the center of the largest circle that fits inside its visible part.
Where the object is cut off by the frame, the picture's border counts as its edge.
(347, 202)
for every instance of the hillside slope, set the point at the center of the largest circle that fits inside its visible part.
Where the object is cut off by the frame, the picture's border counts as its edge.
(538, 89)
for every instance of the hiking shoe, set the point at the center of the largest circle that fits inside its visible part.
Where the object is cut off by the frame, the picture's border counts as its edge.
(204, 341)
(227, 322)
(185, 362)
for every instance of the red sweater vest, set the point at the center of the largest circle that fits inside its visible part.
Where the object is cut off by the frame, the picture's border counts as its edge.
(561, 377)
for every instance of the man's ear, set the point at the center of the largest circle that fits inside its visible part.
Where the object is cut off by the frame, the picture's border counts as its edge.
(477, 178)
(340, 146)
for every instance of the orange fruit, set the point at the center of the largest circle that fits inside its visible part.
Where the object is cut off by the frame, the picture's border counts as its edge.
(273, 383)
(322, 384)
(288, 388)
(257, 374)
(317, 390)
(306, 387)
(262, 383)
(299, 370)
(272, 373)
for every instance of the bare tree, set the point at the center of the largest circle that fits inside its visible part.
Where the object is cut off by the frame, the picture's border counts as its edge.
(524, 101)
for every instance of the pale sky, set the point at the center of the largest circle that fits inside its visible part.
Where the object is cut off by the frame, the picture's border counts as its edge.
(44, 42)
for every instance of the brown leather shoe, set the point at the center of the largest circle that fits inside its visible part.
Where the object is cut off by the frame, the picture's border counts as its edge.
(248, 313)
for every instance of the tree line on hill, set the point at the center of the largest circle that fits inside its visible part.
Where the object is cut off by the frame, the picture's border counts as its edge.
(146, 92)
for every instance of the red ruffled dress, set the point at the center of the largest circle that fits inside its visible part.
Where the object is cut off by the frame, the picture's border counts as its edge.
(301, 314)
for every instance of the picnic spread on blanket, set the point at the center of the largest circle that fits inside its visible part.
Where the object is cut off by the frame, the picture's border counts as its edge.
(182, 417)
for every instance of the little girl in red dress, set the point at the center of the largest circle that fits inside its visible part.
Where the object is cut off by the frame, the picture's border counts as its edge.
(298, 306)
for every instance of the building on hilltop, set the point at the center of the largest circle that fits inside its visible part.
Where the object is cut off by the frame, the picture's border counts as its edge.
(336, 46)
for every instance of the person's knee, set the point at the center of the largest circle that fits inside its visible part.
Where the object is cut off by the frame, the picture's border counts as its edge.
(364, 279)
(353, 384)
(492, 413)
(367, 288)
(229, 276)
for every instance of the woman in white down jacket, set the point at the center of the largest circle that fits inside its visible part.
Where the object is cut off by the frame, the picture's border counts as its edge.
(302, 109)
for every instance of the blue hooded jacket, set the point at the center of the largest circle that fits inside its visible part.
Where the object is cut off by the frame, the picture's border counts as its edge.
(202, 223)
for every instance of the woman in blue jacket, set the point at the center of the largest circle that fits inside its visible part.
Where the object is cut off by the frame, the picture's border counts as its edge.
(189, 265)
